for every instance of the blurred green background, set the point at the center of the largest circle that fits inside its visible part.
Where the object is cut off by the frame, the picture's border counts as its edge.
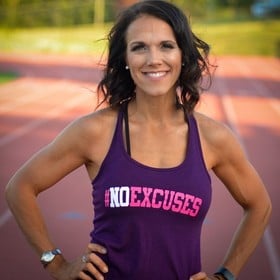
(79, 27)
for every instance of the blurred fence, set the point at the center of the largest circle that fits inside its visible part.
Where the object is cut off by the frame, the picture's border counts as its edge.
(55, 13)
(29, 13)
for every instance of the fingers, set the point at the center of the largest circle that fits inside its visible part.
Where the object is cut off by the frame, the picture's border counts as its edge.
(90, 272)
(202, 276)
(97, 262)
(199, 276)
(94, 266)
(93, 247)
(94, 259)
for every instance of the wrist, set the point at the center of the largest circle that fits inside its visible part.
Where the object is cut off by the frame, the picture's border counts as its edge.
(53, 261)
(219, 276)
(224, 274)
(216, 277)
(56, 266)
(49, 256)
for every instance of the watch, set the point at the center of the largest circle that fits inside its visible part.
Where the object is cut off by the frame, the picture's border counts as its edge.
(225, 273)
(48, 256)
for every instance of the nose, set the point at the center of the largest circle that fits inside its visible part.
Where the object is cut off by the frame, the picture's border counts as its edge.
(154, 57)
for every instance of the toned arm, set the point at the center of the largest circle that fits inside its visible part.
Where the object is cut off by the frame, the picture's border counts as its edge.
(231, 165)
(66, 153)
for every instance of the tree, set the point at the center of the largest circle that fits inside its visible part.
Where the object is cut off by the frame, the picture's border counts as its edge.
(99, 11)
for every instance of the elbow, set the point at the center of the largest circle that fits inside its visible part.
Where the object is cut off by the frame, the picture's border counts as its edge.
(16, 193)
(261, 211)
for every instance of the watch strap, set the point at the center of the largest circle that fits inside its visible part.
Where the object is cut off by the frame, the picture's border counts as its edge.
(56, 252)
(225, 273)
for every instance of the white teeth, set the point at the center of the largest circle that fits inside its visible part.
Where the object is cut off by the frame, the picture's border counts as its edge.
(156, 74)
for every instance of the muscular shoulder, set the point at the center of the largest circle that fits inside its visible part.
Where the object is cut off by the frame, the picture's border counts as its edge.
(213, 131)
(89, 134)
(218, 140)
(96, 124)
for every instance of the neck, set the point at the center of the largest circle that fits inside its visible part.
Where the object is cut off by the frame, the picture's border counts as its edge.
(153, 109)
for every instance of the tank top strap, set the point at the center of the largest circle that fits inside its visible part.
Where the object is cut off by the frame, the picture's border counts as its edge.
(118, 135)
(193, 129)
(194, 151)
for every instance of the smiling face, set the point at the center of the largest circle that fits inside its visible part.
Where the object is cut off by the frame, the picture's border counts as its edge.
(153, 56)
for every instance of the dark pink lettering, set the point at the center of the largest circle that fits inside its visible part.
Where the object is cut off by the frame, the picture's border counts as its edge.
(196, 206)
(186, 209)
(168, 199)
(134, 200)
(178, 202)
(156, 203)
(146, 201)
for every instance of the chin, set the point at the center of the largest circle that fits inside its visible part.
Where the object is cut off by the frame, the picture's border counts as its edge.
(157, 92)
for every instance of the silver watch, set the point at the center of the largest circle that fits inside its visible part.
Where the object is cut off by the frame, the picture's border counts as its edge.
(48, 256)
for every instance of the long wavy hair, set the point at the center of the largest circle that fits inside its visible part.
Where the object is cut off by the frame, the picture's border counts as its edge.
(117, 86)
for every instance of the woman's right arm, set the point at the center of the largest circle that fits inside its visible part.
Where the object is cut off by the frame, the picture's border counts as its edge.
(66, 153)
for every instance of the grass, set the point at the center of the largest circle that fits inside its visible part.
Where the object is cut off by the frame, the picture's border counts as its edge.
(249, 37)
(242, 38)
(7, 77)
(78, 40)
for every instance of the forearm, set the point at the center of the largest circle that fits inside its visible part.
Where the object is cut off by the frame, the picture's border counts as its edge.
(247, 237)
(23, 204)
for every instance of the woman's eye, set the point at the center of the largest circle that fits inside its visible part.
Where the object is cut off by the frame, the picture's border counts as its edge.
(138, 48)
(168, 46)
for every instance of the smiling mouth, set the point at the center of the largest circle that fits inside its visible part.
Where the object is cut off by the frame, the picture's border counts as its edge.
(155, 74)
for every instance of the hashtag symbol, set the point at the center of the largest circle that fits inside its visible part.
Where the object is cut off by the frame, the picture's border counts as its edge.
(107, 198)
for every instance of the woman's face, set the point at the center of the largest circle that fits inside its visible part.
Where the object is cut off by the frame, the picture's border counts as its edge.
(153, 56)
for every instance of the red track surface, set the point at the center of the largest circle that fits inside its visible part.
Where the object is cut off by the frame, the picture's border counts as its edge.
(53, 90)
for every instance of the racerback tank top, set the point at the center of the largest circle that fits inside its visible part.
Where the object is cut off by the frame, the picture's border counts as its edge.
(150, 219)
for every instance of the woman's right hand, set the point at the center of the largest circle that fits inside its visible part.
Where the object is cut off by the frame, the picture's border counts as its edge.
(203, 276)
(88, 267)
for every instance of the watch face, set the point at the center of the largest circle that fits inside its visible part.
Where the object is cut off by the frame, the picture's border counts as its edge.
(47, 257)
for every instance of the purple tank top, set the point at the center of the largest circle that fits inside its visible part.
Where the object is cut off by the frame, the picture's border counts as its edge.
(150, 219)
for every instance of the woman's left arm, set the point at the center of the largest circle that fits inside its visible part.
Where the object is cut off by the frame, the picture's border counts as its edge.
(247, 188)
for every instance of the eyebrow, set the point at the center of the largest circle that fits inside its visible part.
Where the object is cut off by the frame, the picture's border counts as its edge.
(142, 42)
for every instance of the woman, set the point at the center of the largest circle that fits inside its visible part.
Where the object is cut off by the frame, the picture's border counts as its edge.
(150, 166)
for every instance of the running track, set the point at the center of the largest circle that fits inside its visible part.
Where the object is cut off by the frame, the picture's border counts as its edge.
(54, 90)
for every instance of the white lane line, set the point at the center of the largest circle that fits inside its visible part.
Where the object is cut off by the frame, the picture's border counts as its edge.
(273, 254)
(5, 217)
(73, 102)
(268, 239)
(260, 88)
(27, 96)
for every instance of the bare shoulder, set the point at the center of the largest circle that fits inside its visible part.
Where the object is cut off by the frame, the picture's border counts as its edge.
(213, 131)
(96, 127)
(90, 135)
(218, 141)
(97, 123)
